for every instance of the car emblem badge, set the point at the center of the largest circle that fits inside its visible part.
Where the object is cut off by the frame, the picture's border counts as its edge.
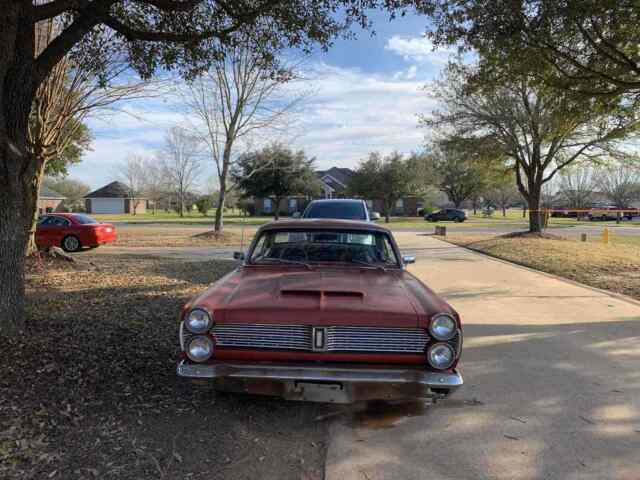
(319, 339)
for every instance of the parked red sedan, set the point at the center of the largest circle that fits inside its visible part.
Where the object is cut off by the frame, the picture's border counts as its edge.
(322, 310)
(72, 231)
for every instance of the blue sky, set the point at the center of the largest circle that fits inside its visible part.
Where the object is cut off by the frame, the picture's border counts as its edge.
(367, 94)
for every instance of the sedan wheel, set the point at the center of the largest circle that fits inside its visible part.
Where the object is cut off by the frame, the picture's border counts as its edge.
(71, 244)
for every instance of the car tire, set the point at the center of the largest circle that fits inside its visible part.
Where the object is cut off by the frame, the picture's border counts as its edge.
(458, 220)
(71, 244)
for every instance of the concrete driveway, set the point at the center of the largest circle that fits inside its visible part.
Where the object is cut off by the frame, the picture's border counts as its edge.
(552, 391)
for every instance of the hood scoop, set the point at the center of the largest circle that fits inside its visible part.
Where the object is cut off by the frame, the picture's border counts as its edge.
(321, 294)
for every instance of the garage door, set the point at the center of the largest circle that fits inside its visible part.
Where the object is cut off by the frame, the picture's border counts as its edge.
(107, 205)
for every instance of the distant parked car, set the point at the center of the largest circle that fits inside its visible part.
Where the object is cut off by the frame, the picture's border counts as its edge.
(447, 214)
(340, 208)
(610, 212)
(72, 232)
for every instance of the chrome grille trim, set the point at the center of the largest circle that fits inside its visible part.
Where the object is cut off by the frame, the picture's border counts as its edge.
(338, 338)
(257, 335)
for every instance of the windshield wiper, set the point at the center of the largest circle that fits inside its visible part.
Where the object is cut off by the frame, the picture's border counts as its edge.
(284, 260)
(370, 265)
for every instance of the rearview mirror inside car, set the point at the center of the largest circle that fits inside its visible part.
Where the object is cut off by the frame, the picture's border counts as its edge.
(238, 255)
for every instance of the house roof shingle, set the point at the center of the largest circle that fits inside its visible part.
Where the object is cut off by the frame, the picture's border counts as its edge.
(46, 192)
(112, 190)
(341, 174)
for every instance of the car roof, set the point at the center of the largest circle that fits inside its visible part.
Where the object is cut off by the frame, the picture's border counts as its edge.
(320, 223)
(56, 214)
(337, 200)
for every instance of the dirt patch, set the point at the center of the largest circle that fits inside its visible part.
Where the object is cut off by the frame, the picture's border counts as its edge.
(174, 237)
(614, 267)
(89, 390)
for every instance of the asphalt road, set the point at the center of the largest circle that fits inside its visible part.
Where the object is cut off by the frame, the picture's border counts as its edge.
(552, 384)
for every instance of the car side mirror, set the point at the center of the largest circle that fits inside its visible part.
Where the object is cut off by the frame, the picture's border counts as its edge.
(296, 215)
(374, 216)
(238, 255)
(407, 259)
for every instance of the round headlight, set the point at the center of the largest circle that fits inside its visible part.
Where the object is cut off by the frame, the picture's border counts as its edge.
(200, 348)
(198, 321)
(443, 327)
(440, 356)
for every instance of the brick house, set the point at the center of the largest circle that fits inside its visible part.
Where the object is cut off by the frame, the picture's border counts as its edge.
(335, 183)
(114, 198)
(49, 201)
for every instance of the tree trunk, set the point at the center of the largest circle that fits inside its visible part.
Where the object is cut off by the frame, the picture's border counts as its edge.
(15, 216)
(504, 211)
(41, 163)
(535, 216)
(17, 165)
(219, 223)
(276, 211)
(226, 161)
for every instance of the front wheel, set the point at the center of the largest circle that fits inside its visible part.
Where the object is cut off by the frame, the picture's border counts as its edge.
(71, 243)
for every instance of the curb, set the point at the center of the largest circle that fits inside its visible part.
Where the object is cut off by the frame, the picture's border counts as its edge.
(607, 293)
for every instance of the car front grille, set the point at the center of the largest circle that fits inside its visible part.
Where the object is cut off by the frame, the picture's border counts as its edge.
(334, 338)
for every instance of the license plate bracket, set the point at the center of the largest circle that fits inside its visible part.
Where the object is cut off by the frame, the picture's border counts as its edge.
(318, 392)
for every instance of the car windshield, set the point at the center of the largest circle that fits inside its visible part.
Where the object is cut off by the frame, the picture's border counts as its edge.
(342, 210)
(299, 246)
(84, 219)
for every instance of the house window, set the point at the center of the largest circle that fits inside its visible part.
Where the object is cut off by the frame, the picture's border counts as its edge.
(268, 205)
(293, 204)
(400, 204)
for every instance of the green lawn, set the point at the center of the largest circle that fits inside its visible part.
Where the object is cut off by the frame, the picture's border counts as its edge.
(513, 219)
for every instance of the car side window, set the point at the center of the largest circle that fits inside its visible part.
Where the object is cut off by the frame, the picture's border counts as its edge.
(58, 221)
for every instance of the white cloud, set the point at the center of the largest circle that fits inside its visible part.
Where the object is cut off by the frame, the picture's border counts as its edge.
(355, 113)
(418, 49)
(350, 114)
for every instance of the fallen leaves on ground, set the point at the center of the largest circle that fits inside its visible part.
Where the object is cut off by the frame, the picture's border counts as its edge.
(89, 389)
(147, 236)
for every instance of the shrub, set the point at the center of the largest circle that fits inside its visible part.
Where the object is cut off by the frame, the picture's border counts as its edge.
(204, 204)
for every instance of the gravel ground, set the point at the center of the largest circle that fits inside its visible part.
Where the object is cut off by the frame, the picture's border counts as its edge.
(89, 391)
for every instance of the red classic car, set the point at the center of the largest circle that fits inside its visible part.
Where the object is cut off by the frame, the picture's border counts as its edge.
(322, 310)
(72, 231)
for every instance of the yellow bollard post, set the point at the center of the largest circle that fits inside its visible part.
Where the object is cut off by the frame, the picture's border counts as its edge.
(605, 236)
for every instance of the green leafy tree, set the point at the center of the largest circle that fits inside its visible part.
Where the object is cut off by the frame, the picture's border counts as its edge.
(147, 35)
(388, 178)
(276, 172)
(78, 141)
(535, 128)
(204, 204)
(457, 171)
(73, 191)
(585, 46)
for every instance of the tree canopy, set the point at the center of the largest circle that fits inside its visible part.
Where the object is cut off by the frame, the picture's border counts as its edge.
(388, 178)
(275, 172)
(585, 46)
(536, 128)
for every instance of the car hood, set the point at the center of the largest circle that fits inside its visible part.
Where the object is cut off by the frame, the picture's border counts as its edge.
(348, 296)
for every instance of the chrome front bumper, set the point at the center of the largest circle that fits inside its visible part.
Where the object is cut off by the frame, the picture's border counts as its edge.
(324, 383)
